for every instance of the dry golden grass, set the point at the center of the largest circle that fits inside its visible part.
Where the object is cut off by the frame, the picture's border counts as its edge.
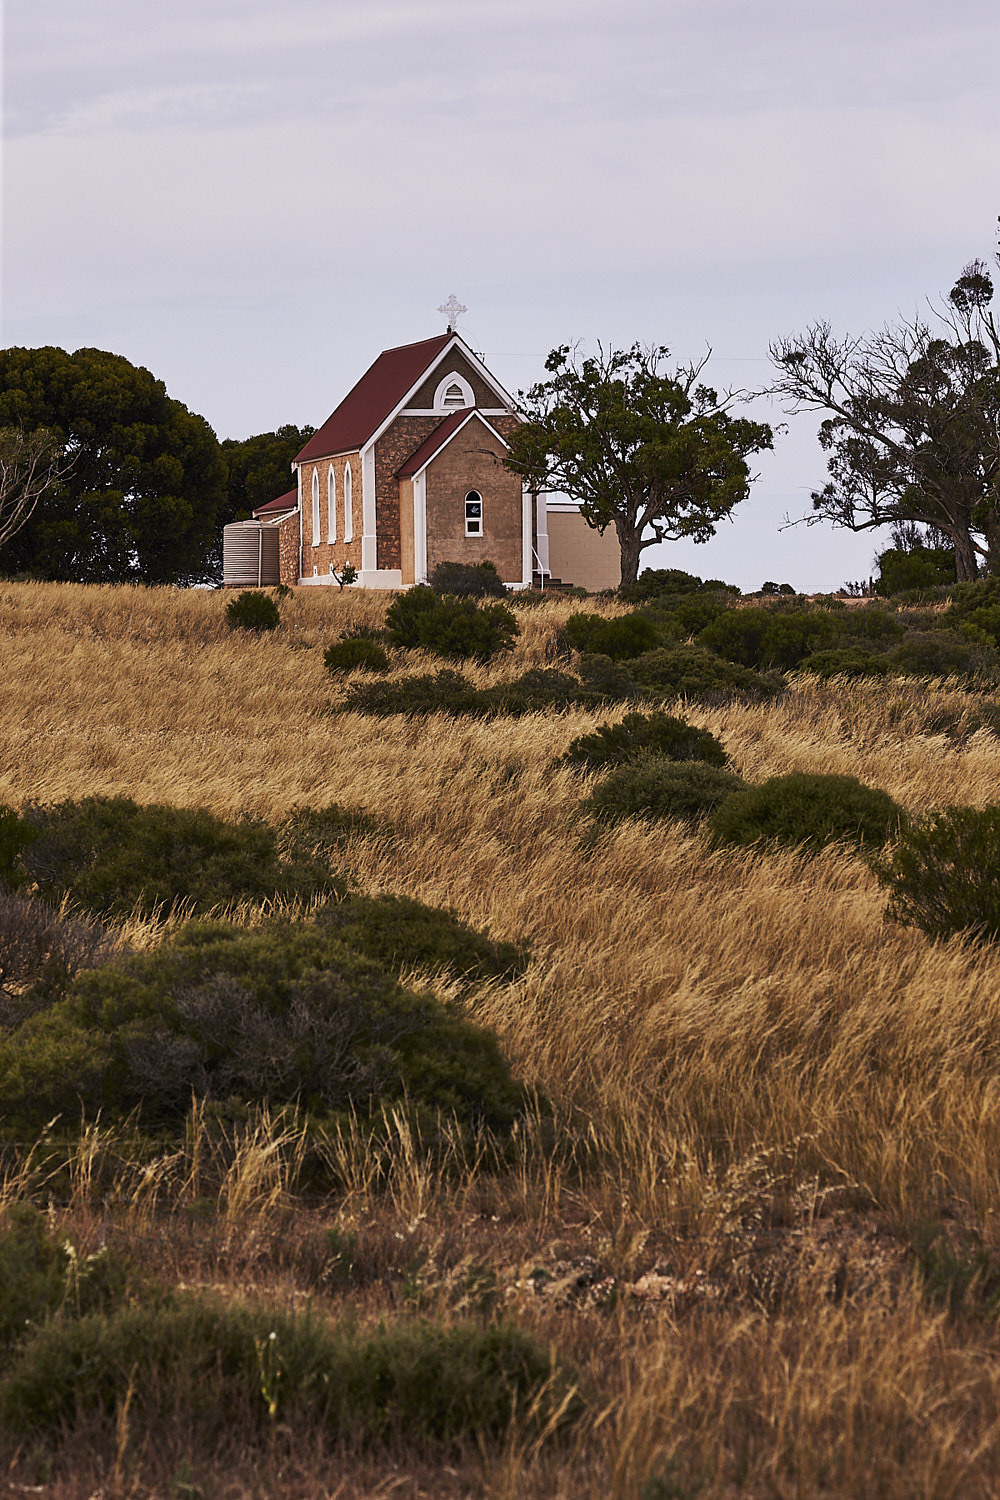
(761, 1086)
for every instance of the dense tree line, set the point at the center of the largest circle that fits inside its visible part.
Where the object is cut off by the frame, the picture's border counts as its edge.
(141, 487)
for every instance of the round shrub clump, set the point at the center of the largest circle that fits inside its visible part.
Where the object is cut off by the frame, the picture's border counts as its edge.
(112, 856)
(621, 639)
(808, 810)
(475, 580)
(653, 787)
(941, 874)
(448, 626)
(351, 653)
(638, 734)
(287, 1014)
(692, 672)
(251, 611)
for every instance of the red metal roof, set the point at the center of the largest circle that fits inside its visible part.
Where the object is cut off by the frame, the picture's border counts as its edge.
(380, 389)
(288, 501)
(430, 445)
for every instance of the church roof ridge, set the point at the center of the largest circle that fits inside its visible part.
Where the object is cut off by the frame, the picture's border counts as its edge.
(376, 395)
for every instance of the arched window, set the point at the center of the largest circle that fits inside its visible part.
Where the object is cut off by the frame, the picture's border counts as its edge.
(453, 393)
(331, 505)
(473, 513)
(315, 500)
(348, 504)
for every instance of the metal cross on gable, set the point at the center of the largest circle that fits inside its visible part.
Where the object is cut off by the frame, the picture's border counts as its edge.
(451, 310)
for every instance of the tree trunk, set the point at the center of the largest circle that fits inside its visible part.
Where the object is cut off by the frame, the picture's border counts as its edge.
(630, 543)
(966, 568)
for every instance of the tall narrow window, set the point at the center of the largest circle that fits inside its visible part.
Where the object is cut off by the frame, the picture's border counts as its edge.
(331, 505)
(348, 505)
(473, 513)
(315, 500)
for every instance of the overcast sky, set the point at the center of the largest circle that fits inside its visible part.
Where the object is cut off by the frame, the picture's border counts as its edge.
(253, 199)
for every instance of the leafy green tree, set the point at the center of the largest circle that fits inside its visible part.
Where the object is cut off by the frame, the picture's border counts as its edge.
(913, 424)
(659, 456)
(140, 502)
(259, 469)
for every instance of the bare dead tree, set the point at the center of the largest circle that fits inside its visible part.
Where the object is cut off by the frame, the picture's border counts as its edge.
(30, 463)
(913, 420)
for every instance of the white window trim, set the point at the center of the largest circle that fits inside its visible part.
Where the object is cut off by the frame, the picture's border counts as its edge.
(331, 504)
(315, 508)
(482, 529)
(348, 503)
(468, 395)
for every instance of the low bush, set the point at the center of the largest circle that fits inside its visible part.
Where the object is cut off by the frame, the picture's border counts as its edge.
(450, 692)
(846, 661)
(901, 570)
(637, 734)
(651, 786)
(941, 874)
(351, 653)
(475, 580)
(763, 638)
(809, 811)
(621, 639)
(110, 855)
(283, 1014)
(210, 1368)
(869, 623)
(655, 583)
(944, 653)
(42, 1276)
(401, 933)
(693, 672)
(40, 952)
(449, 627)
(606, 679)
(16, 835)
(254, 612)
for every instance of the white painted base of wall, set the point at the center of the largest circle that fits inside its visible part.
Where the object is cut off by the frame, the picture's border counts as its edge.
(380, 578)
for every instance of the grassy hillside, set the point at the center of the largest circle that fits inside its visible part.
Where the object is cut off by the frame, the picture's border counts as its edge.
(760, 1222)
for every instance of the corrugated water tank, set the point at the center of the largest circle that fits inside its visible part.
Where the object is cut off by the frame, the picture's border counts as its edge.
(250, 554)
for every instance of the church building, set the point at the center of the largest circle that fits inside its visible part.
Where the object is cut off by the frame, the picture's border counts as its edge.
(408, 472)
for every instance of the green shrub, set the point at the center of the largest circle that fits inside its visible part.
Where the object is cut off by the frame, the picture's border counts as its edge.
(870, 623)
(449, 626)
(846, 661)
(110, 855)
(621, 638)
(606, 679)
(651, 786)
(638, 734)
(680, 619)
(42, 1276)
(214, 1368)
(283, 1014)
(475, 580)
(654, 583)
(942, 873)
(763, 638)
(692, 672)
(40, 951)
(16, 835)
(450, 692)
(808, 810)
(944, 653)
(401, 933)
(901, 570)
(254, 612)
(353, 652)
